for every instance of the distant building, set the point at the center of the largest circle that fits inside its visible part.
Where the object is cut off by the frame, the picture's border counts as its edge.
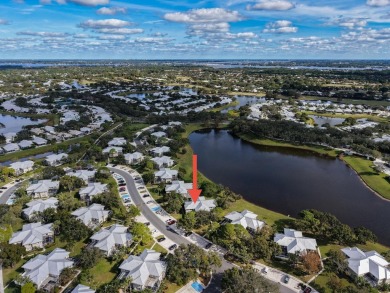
(93, 189)
(38, 206)
(85, 175)
(22, 167)
(117, 141)
(165, 175)
(160, 151)
(179, 187)
(163, 162)
(111, 238)
(33, 236)
(159, 134)
(202, 204)
(56, 159)
(26, 144)
(11, 147)
(43, 189)
(134, 158)
(293, 242)
(92, 216)
(247, 219)
(113, 151)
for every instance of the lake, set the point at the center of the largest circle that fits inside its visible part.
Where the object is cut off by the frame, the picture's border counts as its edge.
(288, 181)
(16, 123)
(243, 101)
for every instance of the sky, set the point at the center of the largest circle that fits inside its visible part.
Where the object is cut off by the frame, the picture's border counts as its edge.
(188, 29)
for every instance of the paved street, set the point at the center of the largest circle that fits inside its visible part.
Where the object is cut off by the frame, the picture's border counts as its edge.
(11, 187)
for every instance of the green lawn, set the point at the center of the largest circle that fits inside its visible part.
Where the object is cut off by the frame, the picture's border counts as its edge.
(5, 233)
(232, 104)
(356, 116)
(157, 247)
(375, 180)
(103, 272)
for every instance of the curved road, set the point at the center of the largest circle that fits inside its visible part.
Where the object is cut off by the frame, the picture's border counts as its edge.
(7, 193)
(214, 286)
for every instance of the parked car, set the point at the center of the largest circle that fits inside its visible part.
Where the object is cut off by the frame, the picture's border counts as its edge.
(188, 234)
(161, 239)
(286, 279)
(307, 290)
(122, 184)
(172, 247)
(147, 223)
(145, 195)
(264, 270)
(4, 187)
(150, 201)
(208, 245)
(171, 222)
(122, 189)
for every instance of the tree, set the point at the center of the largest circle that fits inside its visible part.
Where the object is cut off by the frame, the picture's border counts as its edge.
(246, 280)
(89, 257)
(52, 172)
(11, 254)
(311, 262)
(66, 275)
(188, 221)
(336, 261)
(70, 183)
(133, 211)
(334, 283)
(148, 177)
(71, 229)
(28, 288)
(174, 202)
(364, 235)
(141, 233)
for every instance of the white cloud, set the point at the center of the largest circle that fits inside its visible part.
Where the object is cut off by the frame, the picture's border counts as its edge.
(379, 3)
(272, 5)
(212, 28)
(105, 23)
(112, 37)
(90, 2)
(350, 23)
(3, 21)
(111, 10)
(280, 27)
(120, 31)
(43, 34)
(246, 35)
(204, 15)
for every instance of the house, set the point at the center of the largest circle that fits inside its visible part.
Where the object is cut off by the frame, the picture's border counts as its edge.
(111, 238)
(82, 289)
(43, 189)
(43, 269)
(92, 216)
(11, 147)
(113, 151)
(93, 188)
(165, 175)
(159, 151)
(49, 129)
(56, 159)
(39, 140)
(37, 131)
(75, 133)
(146, 270)
(161, 162)
(174, 123)
(34, 235)
(9, 137)
(38, 206)
(159, 134)
(247, 219)
(293, 242)
(134, 158)
(85, 130)
(22, 167)
(25, 144)
(370, 265)
(117, 141)
(202, 204)
(85, 175)
(179, 187)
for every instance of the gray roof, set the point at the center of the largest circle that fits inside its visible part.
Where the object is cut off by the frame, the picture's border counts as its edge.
(140, 268)
(294, 241)
(160, 161)
(43, 186)
(40, 267)
(82, 289)
(31, 234)
(246, 218)
(117, 141)
(133, 156)
(166, 173)
(93, 212)
(36, 206)
(107, 238)
(160, 150)
(56, 157)
(83, 174)
(11, 147)
(159, 134)
(25, 143)
(93, 188)
(110, 148)
(22, 165)
(39, 140)
(202, 204)
(179, 187)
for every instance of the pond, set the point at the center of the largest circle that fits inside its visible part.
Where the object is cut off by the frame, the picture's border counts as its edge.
(16, 123)
(288, 180)
(243, 101)
(321, 120)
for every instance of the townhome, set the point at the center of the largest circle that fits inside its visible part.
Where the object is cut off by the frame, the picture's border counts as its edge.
(11, 147)
(293, 242)
(38, 206)
(85, 175)
(109, 239)
(134, 158)
(43, 189)
(39, 141)
(22, 167)
(85, 130)
(113, 151)
(33, 236)
(158, 134)
(370, 265)
(117, 141)
(165, 175)
(56, 159)
(26, 144)
(92, 216)
(179, 187)
(247, 219)
(162, 162)
(9, 137)
(160, 151)
(43, 269)
(202, 204)
(49, 129)
(146, 270)
(93, 189)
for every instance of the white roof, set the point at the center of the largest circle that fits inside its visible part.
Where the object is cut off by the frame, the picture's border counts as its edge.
(25, 143)
(166, 173)
(202, 204)
(43, 186)
(179, 187)
(246, 218)
(118, 141)
(82, 289)
(93, 188)
(36, 206)
(56, 157)
(294, 241)
(82, 174)
(160, 161)
(22, 165)
(39, 267)
(367, 262)
(107, 238)
(31, 234)
(159, 134)
(11, 147)
(93, 212)
(116, 149)
(141, 268)
(133, 156)
(39, 140)
(160, 150)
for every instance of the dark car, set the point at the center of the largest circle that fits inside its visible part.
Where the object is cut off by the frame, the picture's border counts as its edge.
(4, 187)
(161, 239)
(122, 184)
(172, 247)
(147, 223)
(307, 290)
(286, 279)
(188, 234)
(208, 245)
(145, 195)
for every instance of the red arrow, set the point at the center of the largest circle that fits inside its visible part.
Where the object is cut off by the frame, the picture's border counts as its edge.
(195, 192)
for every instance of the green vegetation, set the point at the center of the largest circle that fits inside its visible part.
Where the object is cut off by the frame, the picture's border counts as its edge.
(355, 116)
